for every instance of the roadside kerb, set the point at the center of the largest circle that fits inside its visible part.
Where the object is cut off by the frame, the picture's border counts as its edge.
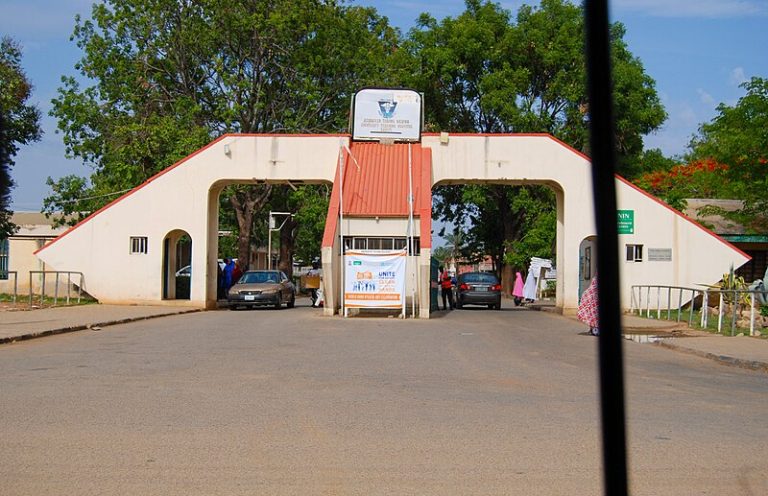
(90, 325)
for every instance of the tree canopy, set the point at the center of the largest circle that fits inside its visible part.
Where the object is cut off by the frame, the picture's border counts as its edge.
(738, 138)
(19, 123)
(487, 71)
(170, 76)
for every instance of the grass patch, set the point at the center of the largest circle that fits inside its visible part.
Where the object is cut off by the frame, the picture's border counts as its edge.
(22, 301)
(685, 315)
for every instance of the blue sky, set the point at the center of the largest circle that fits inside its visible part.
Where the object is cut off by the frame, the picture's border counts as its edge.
(698, 51)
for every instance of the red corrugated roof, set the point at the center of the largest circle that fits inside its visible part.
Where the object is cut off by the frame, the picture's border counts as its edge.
(376, 184)
(376, 180)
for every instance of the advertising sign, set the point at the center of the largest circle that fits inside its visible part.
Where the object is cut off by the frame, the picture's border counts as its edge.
(626, 221)
(374, 280)
(386, 114)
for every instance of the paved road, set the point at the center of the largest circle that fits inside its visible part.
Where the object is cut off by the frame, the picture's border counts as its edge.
(288, 402)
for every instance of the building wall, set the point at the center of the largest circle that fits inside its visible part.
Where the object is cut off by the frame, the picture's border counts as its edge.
(185, 198)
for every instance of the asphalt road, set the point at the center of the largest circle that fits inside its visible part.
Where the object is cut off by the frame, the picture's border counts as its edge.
(288, 402)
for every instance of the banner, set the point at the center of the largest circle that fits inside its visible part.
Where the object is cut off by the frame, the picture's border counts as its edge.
(374, 280)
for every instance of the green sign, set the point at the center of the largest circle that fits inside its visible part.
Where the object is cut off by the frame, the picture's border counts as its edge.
(626, 221)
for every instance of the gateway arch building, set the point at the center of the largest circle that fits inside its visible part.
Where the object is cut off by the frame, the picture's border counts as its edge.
(126, 250)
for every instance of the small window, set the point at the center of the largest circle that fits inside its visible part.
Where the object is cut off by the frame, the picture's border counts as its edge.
(360, 243)
(634, 253)
(4, 256)
(138, 244)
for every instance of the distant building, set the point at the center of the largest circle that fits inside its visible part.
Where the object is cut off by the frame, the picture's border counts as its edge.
(17, 252)
(754, 245)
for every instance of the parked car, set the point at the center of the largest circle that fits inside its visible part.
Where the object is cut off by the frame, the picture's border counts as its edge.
(260, 288)
(478, 288)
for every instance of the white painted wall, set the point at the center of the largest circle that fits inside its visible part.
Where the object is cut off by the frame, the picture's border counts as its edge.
(184, 197)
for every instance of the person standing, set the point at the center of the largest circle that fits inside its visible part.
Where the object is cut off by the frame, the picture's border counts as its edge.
(229, 268)
(446, 286)
(587, 312)
(517, 290)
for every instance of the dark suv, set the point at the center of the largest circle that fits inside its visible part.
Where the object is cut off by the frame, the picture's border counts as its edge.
(478, 288)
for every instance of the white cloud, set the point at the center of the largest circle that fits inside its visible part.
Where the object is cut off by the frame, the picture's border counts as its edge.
(695, 8)
(738, 76)
(705, 97)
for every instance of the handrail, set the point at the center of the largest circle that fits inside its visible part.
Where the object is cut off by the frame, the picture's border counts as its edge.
(636, 303)
(56, 285)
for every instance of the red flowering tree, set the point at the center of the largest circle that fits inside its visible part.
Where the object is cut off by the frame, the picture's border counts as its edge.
(705, 178)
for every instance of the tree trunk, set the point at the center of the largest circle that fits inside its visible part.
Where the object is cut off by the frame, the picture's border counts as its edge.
(246, 200)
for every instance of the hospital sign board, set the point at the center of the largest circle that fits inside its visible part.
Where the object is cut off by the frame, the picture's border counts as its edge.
(392, 114)
(626, 221)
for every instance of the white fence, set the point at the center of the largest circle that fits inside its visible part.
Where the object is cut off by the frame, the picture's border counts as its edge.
(646, 298)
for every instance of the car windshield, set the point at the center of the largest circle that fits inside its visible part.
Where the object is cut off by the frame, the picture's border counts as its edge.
(259, 277)
(479, 277)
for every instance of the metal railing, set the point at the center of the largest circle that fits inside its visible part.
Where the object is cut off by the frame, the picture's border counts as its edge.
(664, 298)
(57, 282)
(15, 282)
(637, 300)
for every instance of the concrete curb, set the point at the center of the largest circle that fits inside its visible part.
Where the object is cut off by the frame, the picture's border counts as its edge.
(82, 327)
(722, 359)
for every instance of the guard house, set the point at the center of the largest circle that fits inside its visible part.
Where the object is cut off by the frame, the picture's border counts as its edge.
(381, 204)
(380, 207)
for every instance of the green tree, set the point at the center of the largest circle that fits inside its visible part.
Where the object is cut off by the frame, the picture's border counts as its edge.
(738, 138)
(169, 76)
(483, 72)
(19, 123)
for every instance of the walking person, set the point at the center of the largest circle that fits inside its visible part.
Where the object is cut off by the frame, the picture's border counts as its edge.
(446, 287)
(517, 289)
(587, 312)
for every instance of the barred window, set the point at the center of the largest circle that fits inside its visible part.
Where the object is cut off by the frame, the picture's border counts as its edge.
(138, 244)
(634, 253)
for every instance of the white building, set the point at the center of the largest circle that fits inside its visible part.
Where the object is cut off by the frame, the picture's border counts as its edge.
(18, 264)
(127, 249)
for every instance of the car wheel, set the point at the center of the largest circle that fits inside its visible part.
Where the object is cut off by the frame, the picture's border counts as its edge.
(491, 306)
(278, 303)
(498, 306)
(458, 304)
(292, 301)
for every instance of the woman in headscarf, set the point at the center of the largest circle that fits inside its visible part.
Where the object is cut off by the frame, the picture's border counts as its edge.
(588, 307)
(517, 290)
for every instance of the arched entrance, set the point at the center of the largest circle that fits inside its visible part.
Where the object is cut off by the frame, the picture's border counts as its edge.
(587, 262)
(177, 265)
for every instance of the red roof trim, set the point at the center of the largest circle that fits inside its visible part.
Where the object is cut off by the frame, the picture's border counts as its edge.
(685, 217)
(134, 190)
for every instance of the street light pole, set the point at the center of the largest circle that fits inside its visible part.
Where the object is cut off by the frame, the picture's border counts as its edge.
(271, 227)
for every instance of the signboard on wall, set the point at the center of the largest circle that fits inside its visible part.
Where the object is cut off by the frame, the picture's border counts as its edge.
(626, 221)
(374, 280)
(392, 114)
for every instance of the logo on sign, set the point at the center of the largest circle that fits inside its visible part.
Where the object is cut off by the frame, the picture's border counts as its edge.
(387, 108)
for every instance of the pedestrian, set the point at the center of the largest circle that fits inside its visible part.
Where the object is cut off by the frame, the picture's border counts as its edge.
(588, 305)
(229, 268)
(529, 289)
(517, 290)
(314, 273)
(236, 272)
(446, 286)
